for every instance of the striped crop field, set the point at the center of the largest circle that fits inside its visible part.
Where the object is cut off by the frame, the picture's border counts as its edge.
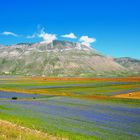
(73, 108)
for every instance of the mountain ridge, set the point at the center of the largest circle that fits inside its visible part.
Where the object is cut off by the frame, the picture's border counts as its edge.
(59, 58)
(130, 63)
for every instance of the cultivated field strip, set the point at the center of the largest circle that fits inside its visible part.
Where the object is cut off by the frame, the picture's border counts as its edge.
(73, 109)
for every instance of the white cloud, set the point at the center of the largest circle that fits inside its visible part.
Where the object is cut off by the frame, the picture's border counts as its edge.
(47, 38)
(85, 43)
(71, 35)
(9, 33)
(85, 40)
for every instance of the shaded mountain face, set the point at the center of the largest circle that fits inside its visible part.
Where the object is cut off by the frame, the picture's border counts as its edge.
(59, 58)
(129, 63)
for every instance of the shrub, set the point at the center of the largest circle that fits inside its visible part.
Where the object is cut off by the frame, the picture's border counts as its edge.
(14, 98)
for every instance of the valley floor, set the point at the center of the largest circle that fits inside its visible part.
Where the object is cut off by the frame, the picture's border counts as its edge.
(69, 108)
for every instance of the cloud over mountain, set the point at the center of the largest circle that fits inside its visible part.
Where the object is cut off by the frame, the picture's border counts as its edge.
(47, 38)
(85, 40)
(70, 35)
(50, 37)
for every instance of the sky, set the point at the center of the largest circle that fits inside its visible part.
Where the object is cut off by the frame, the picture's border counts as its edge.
(110, 26)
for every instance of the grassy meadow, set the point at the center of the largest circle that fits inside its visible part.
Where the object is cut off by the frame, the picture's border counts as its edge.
(72, 108)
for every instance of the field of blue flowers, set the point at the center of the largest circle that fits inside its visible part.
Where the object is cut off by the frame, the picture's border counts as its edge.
(74, 118)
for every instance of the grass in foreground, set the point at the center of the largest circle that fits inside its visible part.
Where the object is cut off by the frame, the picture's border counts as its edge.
(10, 131)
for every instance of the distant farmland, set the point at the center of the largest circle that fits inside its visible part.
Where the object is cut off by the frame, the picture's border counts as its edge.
(73, 108)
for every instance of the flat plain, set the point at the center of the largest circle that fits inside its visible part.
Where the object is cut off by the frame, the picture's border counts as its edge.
(73, 108)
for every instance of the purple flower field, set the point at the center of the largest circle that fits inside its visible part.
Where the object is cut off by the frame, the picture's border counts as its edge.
(105, 120)
(4, 94)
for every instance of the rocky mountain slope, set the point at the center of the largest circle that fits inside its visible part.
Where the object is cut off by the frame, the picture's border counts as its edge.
(59, 58)
(129, 63)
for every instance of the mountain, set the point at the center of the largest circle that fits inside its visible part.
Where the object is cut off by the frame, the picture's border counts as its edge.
(129, 63)
(59, 58)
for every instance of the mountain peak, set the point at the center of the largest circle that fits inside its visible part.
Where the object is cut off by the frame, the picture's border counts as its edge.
(56, 45)
(59, 58)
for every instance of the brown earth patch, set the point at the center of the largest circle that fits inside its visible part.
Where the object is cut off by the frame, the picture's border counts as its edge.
(131, 95)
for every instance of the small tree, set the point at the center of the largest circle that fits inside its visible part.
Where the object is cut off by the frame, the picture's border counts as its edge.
(14, 98)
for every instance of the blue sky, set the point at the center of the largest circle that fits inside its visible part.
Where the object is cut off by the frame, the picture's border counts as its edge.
(115, 24)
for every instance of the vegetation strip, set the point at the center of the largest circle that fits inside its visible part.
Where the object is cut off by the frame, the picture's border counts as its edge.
(22, 131)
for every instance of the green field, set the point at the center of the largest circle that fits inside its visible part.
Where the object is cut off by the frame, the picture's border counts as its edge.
(75, 109)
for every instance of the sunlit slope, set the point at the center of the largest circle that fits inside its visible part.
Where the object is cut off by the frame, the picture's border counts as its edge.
(60, 58)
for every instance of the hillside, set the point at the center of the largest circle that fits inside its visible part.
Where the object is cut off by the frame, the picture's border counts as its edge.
(130, 63)
(60, 58)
